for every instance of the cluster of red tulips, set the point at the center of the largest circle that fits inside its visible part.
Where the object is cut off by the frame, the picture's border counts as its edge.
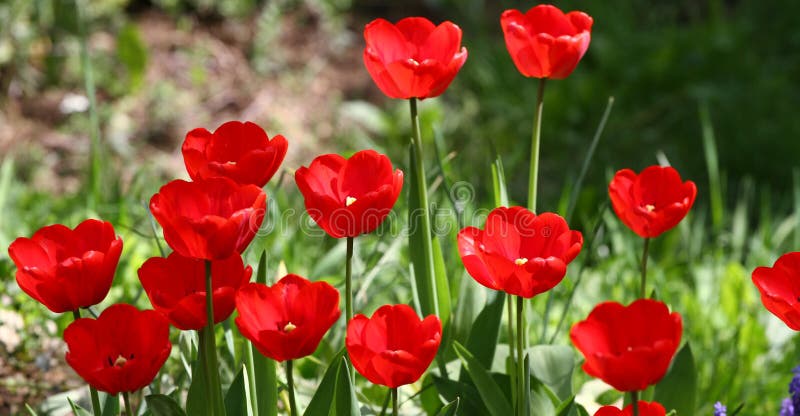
(209, 222)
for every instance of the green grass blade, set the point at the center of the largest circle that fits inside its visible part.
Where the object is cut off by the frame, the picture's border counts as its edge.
(797, 208)
(490, 392)
(712, 164)
(424, 268)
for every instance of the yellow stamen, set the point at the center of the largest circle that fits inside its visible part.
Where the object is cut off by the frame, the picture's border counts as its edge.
(520, 261)
(349, 201)
(120, 361)
(650, 208)
(289, 327)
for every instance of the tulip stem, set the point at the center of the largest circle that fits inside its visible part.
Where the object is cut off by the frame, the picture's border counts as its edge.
(520, 350)
(395, 404)
(643, 289)
(533, 180)
(96, 409)
(208, 337)
(127, 401)
(635, 402)
(512, 345)
(348, 281)
(290, 385)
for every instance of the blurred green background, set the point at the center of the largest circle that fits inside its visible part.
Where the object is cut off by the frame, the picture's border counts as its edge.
(163, 67)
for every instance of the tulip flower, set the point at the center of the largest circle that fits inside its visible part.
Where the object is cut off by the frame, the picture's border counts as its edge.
(519, 252)
(393, 347)
(119, 352)
(176, 286)
(545, 42)
(287, 320)
(653, 201)
(349, 197)
(413, 58)
(645, 409)
(210, 219)
(239, 151)
(67, 269)
(780, 288)
(628, 347)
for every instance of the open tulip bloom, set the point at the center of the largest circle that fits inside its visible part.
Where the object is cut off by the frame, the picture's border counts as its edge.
(628, 347)
(645, 409)
(545, 42)
(210, 219)
(779, 286)
(176, 287)
(121, 351)
(413, 58)
(67, 269)
(239, 151)
(519, 252)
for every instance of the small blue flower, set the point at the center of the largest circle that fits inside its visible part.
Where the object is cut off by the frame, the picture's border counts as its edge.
(787, 408)
(720, 409)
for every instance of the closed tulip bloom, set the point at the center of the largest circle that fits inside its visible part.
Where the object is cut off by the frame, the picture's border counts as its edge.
(628, 347)
(645, 409)
(211, 219)
(287, 320)
(413, 58)
(176, 286)
(519, 252)
(349, 197)
(780, 288)
(652, 202)
(120, 351)
(239, 151)
(545, 42)
(393, 347)
(67, 269)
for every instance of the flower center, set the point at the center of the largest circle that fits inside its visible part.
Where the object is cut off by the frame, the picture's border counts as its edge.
(289, 327)
(650, 208)
(230, 163)
(349, 201)
(520, 261)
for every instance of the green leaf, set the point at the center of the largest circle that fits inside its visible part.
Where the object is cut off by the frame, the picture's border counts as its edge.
(566, 406)
(196, 399)
(442, 283)
(470, 403)
(553, 365)
(236, 399)
(678, 389)
(261, 272)
(498, 180)
(131, 51)
(527, 400)
(109, 404)
(449, 409)
(77, 410)
(345, 396)
(266, 385)
(161, 405)
(482, 341)
(488, 389)
(320, 403)
(421, 259)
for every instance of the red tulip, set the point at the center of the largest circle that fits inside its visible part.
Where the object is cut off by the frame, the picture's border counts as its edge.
(653, 201)
(545, 42)
(519, 252)
(67, 269)
(394, 347)
(629, 347)
(176, 286)
(645, 409)
(211, 219)
(239, 151)
(414, 58)
(120, 351)
(780, 288)
(349, 197)
(287, 320)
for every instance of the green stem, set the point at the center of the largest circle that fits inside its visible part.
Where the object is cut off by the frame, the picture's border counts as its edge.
(96, 409)
(395, 404)
(422, 193)
(210, 361)
(512, 345)
(520, 349)
(251, 377)
(533, 180)
(635, 402)
(643, 285)
(348, 281)
(290, 385)
(127, 401)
